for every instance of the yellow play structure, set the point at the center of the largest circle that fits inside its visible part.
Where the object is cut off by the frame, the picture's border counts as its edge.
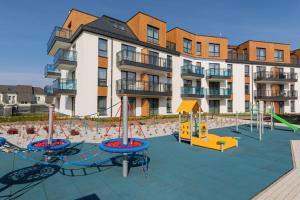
(200, 136)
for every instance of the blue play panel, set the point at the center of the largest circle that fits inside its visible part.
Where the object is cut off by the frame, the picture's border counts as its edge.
(176, 171)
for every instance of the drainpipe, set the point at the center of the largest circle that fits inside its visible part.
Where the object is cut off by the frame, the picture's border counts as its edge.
(111, 76)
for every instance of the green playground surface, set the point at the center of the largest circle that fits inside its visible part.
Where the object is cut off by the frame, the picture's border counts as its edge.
(176, 171)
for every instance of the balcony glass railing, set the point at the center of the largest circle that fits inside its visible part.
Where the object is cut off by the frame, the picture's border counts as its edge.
(264, 75)
(189, 90)
(65, 55)
(48, 89)
(219, 72)
(143, 86)
(218, 92)
(192, 69)
(237, 56)
(64, 84)
(50, 69)
(276, 93)
(58, 32)
(126, 55)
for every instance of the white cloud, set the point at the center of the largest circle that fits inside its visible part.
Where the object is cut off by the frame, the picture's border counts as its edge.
(18, 78)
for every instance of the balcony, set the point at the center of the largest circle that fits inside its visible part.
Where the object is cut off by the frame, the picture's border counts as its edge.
(276, 95)
(65, 59)
(51, 71)
(218, 74)
(59, 39)
(218, 93)
(275, 77)
(192, 72)
(171, 46)
(140, 62)
(64, 87)
(234, 57)
(143, 88)
(192, 92)
(48, 90)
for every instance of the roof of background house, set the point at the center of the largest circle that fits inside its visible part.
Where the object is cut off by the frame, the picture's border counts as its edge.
(24, 92)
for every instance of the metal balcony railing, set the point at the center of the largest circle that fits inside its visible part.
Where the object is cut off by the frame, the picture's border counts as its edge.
(275, 94)
(65, 55)
(48, 89)
(192, 91)
(237, 56)
(273, 76)
(132, 56)
(192, 70)
(218, 92)
(171, 45)
(218, 73)
(58, 32)
(143, 87)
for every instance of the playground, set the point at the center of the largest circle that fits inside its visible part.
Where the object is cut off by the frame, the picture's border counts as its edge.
(194, 157)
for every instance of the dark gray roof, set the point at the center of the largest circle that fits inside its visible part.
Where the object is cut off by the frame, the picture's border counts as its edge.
(38, 90)
(24, 92)
(112, 25)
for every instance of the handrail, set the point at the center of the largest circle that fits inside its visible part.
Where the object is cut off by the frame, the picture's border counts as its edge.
(64, 84)
(194, 69)
(50, 68)
(58, 32)
(192, 90)
(137, 85)
(218, 72)
(218, 92)
(237, 56)
(276, 93)
(63, 54)
(275, 75)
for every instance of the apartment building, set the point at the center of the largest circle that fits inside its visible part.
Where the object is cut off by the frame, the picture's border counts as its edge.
(98, 59)
(22, 98)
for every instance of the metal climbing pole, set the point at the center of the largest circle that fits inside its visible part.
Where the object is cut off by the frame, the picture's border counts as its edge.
(50, 125)
(125, 133)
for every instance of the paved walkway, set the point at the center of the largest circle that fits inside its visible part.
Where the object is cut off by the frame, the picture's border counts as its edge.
(288, 186)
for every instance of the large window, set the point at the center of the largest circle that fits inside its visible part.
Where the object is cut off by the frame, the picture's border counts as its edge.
(187, 46)
(187, 83)
(102, 76)
(102, 105)
(169, 105)
(102, 47)
(128, 76)
(153, 58)
(247, 106)
(278, 55)
(214, 50)
(247, 88)
(198, 48)
(247, 70)
(260, 54)
(229, 68)
(132, 106)
(169, 61)
(153, 106)
(292, 106)
(187, 62)
(229, 106)
(128, 52)
(152, 34)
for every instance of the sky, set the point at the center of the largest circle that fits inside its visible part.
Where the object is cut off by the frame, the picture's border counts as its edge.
(26, 26)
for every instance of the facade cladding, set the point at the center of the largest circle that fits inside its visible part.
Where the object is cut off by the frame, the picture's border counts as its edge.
(97, 60)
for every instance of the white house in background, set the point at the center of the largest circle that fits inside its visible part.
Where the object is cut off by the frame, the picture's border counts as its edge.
(98, 59)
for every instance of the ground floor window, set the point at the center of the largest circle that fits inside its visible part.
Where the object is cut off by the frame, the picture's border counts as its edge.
(132, 106)
(229, 106)
(153, 106)
(169, 105)
(247, 106)
(214, 106)
(292, 106)
(102, 105)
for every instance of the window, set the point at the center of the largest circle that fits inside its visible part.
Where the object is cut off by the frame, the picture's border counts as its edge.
(117, 25)
(169, 105)
(153, 58)
(187, 63)
(198, 83)
(198, 48)
(128, 52)
(102, 105)
(13, 99)
(132, 106)
(128, 75)
(187, 46)
(278, 55)
(260, 68)
(247, 70)
(128, 80)
(229, 106)
(214, 69)
(102, 77)
(153, 106)
(229, 85)
(229, 68)
(169, 61)
(260, 54)
(198, 64)
(247, 88)
(292, 106)
(187, 83)
(152, 34)
(153, 78)
(214, 50)
(247, 106)
(102, 47)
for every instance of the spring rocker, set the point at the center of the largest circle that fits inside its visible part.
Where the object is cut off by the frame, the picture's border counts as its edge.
(196, 131)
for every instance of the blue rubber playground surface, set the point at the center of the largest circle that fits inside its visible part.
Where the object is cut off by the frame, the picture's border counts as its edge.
(176, 171)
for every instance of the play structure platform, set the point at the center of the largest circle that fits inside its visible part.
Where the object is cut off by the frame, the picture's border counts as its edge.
(196, 132)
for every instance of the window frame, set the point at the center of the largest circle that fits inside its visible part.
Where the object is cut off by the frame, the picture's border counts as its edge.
(229, 108)
(247, 108)
(102, 81)
(151, 38)
(259, 56)
(187, 46)
(247, 92)
(277, 57)
(247, 72)
(198, 51)
(102, 51)
(169, 105)
(101, 110)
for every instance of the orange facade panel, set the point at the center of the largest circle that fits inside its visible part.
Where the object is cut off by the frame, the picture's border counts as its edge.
(247, 97)
(77, 18)
(139, 23)
(102, 91)
(177, 35)
(247, 79)
(102, 62)
(145, 107)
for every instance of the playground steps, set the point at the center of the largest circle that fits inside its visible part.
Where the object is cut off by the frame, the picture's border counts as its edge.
(288, 186)
(212, 142)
